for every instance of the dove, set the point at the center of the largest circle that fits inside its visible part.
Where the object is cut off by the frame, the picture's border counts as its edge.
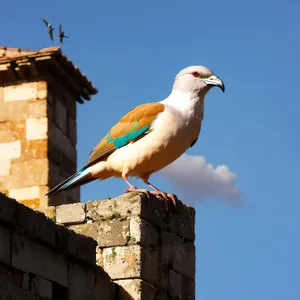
(50, 28)
(150, 136)
(61, 35)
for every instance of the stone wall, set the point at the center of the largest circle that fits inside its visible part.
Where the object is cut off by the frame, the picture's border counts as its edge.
(37, 141)
(144, 249)
(40, 260)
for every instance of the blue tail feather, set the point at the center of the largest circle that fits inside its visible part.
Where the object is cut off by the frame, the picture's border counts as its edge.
(81, 176)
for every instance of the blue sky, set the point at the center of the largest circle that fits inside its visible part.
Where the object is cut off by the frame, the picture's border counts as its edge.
(131, 50)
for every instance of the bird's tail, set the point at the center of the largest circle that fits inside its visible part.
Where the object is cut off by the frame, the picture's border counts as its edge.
(83, 176)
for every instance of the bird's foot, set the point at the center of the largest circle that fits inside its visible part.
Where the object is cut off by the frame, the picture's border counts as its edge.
(133, 189)
(166, 197)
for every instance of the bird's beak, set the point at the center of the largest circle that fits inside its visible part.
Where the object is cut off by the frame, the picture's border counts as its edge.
(214, 80)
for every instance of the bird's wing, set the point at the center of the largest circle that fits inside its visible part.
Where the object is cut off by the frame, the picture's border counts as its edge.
(46, 23)
(60, 29)
(133, 126)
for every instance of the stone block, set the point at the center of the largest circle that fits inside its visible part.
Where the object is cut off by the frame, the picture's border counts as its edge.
(122, 262)
(89, 283)
(107, 233)
(72, 131)
(61, 116)
(182, 222)
(175, 284)
(35, 225)
(163, 275)
(20, 92)
(10, 150)
(8, 291)
(42, 90)
(36, 128)
(61, 142)
(131, 262)
(32, 192)
(31, 203)
(162, 295)
(33, 149)
(142, 232)
(5, 245)
(32, 257)
(188, 288)
(82, 247)
(8, 209)
(49, 212)
(70, 213)
(12, 131)
(41, 287)
(179, 253)
(135, 289)
(184, 259)
(5, 167)
(36, 171)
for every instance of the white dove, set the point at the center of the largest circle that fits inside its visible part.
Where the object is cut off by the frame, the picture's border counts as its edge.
(150, 136)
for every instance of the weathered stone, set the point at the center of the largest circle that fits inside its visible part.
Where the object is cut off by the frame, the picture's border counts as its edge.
(24, 91)
(31, 257)
(135, 289)
(70, 213)
(87, 283)
(25, 283)
(36, 171)
(82, 247)
(175, 284)
(61, 141)
(31, 203)
(183, 260)
(142, 232)
(163, 275)
(25, 193)
(188, 288)
(5, 245)
(5, 167)
(10, 150)
(23, 110)
(122, 206)
(35, 225)
(61, 116)
(36, 128)
(49, 212)
(33, 149)
(131, 262)
(8, 209)
(8, 291)
(12, 131)
(122, 262)
(41, 287)
(182, 222)
(162, 295)
(107, 233)
(72, 132)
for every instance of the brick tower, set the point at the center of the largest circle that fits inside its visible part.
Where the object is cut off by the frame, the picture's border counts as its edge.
(38, 95)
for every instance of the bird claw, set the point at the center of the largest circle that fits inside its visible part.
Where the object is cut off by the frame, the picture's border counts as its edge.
(166, 197)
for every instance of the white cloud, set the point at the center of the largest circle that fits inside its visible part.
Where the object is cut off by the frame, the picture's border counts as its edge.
(196, 180)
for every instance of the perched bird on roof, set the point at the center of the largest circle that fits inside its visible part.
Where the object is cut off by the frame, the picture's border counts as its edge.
(61, 35)
(50, 28)
(150, 136)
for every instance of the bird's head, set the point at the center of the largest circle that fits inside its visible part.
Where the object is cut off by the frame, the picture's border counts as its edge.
(197, 79)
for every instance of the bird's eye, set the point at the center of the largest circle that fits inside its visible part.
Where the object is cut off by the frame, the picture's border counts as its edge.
(196, 74)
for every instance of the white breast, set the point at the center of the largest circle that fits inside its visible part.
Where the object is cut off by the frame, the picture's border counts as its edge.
(173, 132)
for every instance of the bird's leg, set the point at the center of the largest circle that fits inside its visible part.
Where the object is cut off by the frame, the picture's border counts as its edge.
(133, 188)
(164, 195)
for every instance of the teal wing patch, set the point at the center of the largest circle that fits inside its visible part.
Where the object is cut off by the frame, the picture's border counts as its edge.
(132, 135)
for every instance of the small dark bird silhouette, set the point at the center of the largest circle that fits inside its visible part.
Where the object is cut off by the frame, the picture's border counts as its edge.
(50, 28)
(61, 34)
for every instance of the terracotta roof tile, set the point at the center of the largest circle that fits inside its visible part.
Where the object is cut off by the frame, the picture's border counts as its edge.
(9, 55)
